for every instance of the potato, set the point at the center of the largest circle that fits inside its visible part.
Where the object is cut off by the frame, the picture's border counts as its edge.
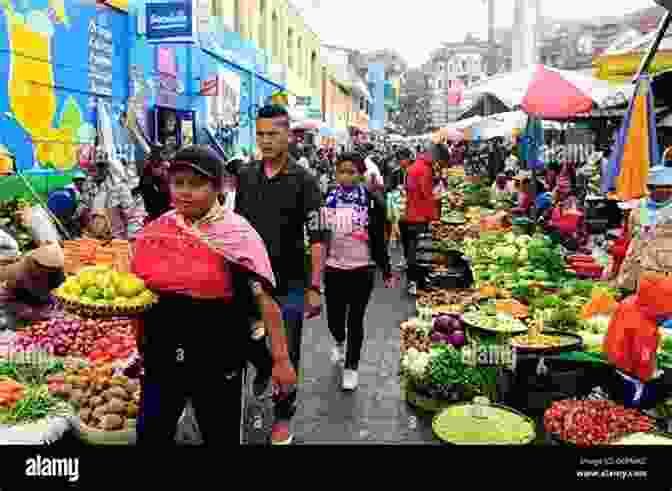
(96, 401)
(132, 410)
(76, 396)
(116, 406)
(67, 390)
(119, 393)
(108, 395)
(100, 411)
(85, 415)
(112, 422)
(132, 387)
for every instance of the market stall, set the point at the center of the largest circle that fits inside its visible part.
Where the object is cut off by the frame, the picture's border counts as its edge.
(526, 335)
(79, 369)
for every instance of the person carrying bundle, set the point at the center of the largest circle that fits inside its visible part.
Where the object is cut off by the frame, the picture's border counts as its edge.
(647, 237)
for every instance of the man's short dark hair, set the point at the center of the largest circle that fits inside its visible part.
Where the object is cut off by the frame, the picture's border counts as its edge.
(354, 157)
(272, 111)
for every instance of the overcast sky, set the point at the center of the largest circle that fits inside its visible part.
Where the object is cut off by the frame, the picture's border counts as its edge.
(416, 27)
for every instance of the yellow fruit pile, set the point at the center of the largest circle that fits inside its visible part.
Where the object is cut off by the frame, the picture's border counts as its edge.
(103, 286)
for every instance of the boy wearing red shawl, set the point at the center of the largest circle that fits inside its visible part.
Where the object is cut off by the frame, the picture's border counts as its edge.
(210, 269)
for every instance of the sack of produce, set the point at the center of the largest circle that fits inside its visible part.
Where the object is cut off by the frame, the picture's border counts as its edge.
(633, 336)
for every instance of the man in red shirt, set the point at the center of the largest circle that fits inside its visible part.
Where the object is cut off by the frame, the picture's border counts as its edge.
(421, 210)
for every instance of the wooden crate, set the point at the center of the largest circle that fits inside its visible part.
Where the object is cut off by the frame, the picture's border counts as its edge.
(88, 252)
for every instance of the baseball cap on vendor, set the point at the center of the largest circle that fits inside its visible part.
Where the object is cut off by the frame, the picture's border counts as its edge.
(202, 159)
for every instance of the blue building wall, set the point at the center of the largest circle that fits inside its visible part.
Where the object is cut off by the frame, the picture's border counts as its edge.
(219, 54)
(377, 87)
(50, 58)
(47, 97)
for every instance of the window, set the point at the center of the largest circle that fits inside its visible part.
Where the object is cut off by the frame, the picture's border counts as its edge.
(275, 37)
(290, 48)
(299, 57)
(262, 24)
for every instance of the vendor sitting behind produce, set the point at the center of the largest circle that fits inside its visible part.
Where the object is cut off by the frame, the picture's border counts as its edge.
(650, 232)
(566, 219)
(524, 192)
(30, 279)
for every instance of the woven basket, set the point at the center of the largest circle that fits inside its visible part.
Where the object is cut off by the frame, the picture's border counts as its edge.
(94, 436)
(100, 311)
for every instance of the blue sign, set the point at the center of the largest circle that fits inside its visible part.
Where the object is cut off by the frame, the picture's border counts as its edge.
(170, 21)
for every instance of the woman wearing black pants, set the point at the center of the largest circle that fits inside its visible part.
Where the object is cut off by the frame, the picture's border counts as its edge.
(356, 221)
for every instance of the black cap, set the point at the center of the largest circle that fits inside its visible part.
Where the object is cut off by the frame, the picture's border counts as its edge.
(201, 159)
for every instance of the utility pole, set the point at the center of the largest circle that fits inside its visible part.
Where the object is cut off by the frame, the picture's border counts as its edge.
(492, 48)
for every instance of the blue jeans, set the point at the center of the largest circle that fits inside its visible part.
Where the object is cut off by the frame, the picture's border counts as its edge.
(292, 306)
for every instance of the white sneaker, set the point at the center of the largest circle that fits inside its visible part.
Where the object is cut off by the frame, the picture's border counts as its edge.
(350, 379)
(338, 354)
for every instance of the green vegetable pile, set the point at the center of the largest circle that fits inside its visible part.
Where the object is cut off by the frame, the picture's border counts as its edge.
(476, 195)
(8, 218)
(30, 373)
(449, 374)
(517, 264)
(36, 404)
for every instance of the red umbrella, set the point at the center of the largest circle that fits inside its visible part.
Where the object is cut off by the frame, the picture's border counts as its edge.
(551, 95)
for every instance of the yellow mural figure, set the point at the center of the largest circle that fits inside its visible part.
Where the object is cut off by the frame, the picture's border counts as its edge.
(32, 99)
(31, 95)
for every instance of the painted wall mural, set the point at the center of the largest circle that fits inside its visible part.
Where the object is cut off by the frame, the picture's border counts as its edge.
(61, 58)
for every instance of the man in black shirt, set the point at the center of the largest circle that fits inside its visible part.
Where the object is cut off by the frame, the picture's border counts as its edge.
(282, 201)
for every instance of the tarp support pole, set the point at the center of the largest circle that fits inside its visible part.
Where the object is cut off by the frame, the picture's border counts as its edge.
(651, 54)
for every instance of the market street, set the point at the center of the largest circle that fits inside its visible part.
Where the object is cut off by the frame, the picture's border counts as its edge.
(375, 412)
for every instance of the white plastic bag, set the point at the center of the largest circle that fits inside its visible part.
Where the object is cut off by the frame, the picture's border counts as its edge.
(42, 229)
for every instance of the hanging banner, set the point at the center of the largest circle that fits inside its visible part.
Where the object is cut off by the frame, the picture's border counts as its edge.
(169, 22)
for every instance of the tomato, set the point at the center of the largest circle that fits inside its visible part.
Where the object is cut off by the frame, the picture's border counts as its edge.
(96, 354)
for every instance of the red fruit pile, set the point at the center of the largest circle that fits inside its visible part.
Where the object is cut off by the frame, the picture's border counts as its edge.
(588, 423)
(99, 340)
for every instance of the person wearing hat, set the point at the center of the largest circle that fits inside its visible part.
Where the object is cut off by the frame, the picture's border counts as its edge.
(30, 279)
(210, 264)
(107, 209)
(649, 230)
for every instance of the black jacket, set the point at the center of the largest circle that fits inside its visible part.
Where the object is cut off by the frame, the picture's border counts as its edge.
(376, 230)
